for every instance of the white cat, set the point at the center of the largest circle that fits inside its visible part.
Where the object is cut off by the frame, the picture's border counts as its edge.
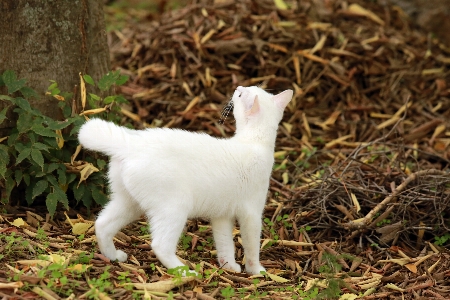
(171, 175)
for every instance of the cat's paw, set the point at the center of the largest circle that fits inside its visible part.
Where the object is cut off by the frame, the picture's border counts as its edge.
(121, 256)
(255, 269)
(232, 267)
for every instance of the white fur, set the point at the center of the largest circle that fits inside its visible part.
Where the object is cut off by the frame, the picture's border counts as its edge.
(172, 175)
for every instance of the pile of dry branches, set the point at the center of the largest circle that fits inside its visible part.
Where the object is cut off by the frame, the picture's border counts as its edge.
(371, 104)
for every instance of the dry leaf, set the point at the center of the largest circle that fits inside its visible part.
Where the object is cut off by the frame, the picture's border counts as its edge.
(280, 4)
(355, 202)
(277, 278)
(83, 91)
(394, 287)
(412, 268)
(19, 222)
(163, 285)
(347, 296)
(81, 228)
(59, 139)
(87, 170)
(93, 111)
(359, 10)
(11, 285)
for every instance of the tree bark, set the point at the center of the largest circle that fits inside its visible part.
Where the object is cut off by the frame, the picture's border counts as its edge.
(52, 40)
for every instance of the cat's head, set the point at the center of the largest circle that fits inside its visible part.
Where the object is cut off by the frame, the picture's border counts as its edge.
(254, 107)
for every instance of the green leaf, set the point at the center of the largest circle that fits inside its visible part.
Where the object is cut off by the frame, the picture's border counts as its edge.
(26, 178)
(41, 130)
(122, 79)
(24, 122)
(67, 111)
(51, 202)
(50, 141)
(36, 155)
(12, 139)
(71, 177)
(11, 82)
(29, 193)
(56, 125)
(24, 104)
(88, 79)
(94, 96)
(121, 99)
(109, 99)
(9, 184)
(101, 163)
(51, 167)
(108, 80)
(52, 180)
(62, 175)
(32, 138)
(55, 91)
(28, 92)
(53, 85)
(4, 160)
(39, 188)
(62, 197)
(18, 176)
(3, 114)
(22, 155)
(7, 98)
(78, 192)
(40, 146)
(87, 200)
(98, 195)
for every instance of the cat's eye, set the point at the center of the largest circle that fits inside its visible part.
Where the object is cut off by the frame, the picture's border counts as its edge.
(240, 95)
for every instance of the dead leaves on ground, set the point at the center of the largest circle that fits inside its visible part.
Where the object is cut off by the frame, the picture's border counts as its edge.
(294, 268)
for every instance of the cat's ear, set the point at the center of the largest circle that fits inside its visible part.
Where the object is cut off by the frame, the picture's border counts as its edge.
(283, 98)
(255, 107)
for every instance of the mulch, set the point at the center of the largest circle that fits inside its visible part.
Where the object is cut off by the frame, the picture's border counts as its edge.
(361, 183)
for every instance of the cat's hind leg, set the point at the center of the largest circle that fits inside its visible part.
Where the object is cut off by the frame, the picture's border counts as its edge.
(223, 238)
(166, 226)
(121, 210)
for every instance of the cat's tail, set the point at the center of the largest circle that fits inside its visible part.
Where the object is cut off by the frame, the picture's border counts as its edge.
(103, 136)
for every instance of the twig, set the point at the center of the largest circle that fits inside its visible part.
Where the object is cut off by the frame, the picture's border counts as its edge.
(364, 222)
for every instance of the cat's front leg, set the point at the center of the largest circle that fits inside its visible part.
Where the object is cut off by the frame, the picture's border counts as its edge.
(223, 238)
(250, 225)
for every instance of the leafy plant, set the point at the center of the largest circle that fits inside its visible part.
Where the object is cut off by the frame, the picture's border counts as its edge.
(227, 292)
(99, 285)
(38, 153)
(441, 240)
(11, 243)
(270, 226)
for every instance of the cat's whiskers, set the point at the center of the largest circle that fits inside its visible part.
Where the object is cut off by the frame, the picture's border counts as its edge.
(225, 111)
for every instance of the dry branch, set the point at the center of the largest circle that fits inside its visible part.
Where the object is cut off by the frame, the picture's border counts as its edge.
(364, 222)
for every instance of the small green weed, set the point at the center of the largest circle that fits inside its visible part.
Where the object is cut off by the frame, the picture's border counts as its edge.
(442, 240)
(227, 292)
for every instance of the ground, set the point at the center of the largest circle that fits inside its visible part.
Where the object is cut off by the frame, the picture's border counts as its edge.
(358, 205)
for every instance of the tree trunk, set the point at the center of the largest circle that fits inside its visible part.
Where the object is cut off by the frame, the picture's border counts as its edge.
(52, 40)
